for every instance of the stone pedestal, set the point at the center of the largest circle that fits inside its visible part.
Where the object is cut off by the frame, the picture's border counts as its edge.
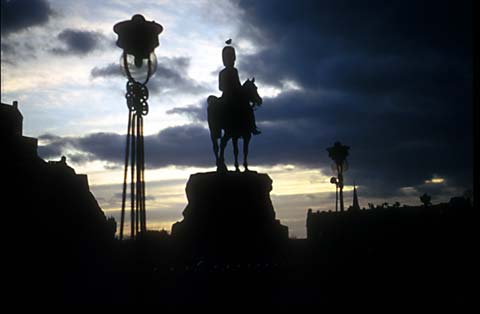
(229, 213)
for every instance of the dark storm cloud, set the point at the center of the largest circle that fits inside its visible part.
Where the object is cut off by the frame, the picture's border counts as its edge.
(391, 147)
(49, 137)
(79, 42)
(171, 75)
(392, 80)
(181, 146)
(305, 37)
(18, 15)
(298, 126)
(298, 141)
(50, 151)
(7, 50)
(6, 47)
(196, 113)
(113, 69)
(14, 52)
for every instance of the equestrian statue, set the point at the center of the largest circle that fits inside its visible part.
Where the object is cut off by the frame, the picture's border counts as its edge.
(233, 112)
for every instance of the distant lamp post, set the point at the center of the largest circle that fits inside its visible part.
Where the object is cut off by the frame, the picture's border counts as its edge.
(334, 180)
(338, 153)
(138, 38)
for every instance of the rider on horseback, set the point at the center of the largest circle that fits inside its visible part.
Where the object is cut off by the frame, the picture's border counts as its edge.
(229, 84)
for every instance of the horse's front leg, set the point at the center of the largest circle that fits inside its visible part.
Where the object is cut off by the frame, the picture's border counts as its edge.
(246, 142)
(235, 152)
(223, 143)
(215, 148)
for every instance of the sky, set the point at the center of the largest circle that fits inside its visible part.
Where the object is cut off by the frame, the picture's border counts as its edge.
(393, 80)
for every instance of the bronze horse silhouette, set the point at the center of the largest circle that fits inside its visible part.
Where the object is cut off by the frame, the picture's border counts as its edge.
(233, 120)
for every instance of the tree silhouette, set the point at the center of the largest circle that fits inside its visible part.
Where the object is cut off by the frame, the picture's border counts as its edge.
(425, 199)
(338, 153)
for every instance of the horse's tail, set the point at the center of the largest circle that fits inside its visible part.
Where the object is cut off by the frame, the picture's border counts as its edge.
(213, 115)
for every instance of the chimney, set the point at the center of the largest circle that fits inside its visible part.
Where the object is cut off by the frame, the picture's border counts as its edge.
(16, 120)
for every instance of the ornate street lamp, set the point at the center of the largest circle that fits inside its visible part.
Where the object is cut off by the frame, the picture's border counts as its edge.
(138, 38)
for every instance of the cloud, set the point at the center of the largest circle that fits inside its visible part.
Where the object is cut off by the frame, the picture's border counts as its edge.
(389, 150)
(357, 46)
(6, 47)
(113, 69)
(21, 14)
(50, 151)
(196, 113)
(301, 141)
(79, 42)
(7, 50)
(385, 79)
(180, 146)
(171, 76)
(49, 137)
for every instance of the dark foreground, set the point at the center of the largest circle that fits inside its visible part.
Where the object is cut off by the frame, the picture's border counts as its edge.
(431, 265)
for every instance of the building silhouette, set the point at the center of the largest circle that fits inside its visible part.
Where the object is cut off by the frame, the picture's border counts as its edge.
(20, 148)
(60, 234)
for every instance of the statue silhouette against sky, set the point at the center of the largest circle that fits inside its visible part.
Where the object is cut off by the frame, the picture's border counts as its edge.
(233, 111)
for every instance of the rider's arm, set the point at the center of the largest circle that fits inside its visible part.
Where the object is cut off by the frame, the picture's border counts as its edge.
(236, 79)
(221, 82)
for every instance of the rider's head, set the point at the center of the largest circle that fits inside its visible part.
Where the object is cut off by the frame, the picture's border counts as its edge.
(228, 56)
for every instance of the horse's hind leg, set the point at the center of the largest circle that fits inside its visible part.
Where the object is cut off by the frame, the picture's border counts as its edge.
(235, 152)
(246, 142)
(223, 144)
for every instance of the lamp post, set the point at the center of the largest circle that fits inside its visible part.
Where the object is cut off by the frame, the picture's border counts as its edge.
(334, 180)
(338, 153)
(138, 38)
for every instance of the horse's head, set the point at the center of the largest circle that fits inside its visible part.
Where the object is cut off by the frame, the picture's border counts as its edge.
(251, 92)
